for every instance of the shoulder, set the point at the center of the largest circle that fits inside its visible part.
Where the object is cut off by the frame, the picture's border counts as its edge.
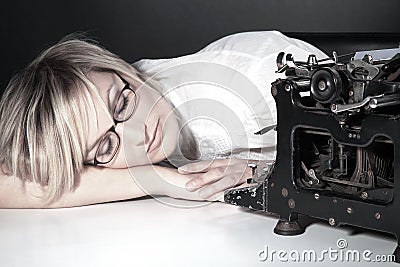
(236, 50)
(258, 43)
(245, 41)
(238, 42)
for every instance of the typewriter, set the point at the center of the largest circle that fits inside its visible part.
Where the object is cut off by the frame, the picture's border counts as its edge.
(338, 147)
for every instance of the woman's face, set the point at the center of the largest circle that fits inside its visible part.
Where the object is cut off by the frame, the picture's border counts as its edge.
(148, 136)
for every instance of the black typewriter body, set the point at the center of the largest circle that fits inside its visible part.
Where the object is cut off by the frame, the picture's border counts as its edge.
(338, 146)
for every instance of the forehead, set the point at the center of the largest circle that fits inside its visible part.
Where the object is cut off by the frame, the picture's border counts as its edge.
(103, 81)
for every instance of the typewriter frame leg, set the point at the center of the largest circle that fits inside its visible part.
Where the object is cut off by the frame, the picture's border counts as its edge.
(289, 226)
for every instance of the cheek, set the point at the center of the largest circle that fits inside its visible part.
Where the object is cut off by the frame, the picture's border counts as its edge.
(134, 150)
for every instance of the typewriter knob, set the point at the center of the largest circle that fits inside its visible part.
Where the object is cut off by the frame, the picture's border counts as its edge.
(326, 85)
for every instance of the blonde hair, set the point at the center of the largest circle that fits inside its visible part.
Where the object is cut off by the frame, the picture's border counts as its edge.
(43, 125)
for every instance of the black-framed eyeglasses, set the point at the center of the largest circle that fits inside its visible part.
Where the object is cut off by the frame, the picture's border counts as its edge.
(124, 107)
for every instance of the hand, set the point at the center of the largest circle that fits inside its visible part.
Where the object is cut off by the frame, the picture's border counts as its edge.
(216, 175)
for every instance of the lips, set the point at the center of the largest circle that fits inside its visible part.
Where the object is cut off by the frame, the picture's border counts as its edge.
(156, 137)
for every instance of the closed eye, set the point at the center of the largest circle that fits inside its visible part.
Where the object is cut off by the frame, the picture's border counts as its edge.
(106, 147)
(122, 104)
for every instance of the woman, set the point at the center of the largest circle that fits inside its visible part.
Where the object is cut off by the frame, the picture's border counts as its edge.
(81, 126)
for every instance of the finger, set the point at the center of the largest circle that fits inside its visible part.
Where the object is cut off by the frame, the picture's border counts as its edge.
(217, 197)
(240, 171)
(205, 165)
(221, 185)
(206, 178)
(244, 184)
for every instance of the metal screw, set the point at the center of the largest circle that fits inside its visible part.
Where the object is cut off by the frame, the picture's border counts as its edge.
(288, 87)
(285, 192)
(291, 203)
(332, 221)
(377, 215)
(322, 85)
(316, 196)
(349, 210)
(364, 195)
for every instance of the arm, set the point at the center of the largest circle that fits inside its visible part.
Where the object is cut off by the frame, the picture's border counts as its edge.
(99, 185)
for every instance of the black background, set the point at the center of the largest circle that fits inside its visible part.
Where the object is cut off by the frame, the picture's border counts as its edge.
(137, 29)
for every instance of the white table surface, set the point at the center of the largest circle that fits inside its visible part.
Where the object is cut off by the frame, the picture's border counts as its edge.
(166, 232)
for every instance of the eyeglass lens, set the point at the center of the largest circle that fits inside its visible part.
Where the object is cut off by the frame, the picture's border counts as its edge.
(107, 148)
(125, 105)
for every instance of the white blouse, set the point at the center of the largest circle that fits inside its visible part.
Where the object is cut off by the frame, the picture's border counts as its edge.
(224, 91)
